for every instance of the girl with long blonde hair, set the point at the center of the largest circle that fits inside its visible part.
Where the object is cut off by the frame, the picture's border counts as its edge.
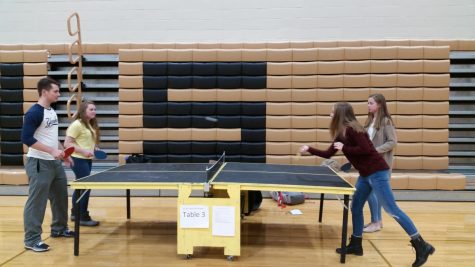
(84, 135)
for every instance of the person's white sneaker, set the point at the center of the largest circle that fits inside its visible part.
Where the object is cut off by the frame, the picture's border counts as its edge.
(372, 227)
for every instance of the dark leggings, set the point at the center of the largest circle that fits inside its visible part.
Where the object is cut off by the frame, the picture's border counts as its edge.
(82, 168)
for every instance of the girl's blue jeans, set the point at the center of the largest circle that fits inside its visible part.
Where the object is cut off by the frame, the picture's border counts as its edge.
(378, 182)
(374, 207)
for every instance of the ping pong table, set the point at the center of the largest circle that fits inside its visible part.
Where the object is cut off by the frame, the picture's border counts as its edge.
(230, 177)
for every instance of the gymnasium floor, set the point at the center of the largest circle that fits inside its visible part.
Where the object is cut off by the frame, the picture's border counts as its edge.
(270, 236)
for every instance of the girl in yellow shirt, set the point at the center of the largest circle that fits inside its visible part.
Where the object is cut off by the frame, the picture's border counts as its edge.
(84, 135)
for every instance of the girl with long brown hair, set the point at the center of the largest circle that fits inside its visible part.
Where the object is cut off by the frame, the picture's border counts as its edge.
(381, 131)
(352, 139)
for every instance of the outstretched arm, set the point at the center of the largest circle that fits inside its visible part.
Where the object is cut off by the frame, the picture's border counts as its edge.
(321, 153)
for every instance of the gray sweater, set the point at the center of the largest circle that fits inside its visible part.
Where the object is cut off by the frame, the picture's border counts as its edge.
(384, 140)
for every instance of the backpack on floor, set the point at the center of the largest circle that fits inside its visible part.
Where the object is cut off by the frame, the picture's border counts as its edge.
(289, 198)
(138, 158)
(255, 200)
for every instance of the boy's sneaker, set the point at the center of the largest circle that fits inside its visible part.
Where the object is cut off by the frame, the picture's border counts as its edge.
(65, 233)
(38, 247)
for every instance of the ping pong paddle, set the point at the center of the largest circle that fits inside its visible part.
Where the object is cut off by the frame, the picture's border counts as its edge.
(345, 167)
(68, 151)
(100, 154)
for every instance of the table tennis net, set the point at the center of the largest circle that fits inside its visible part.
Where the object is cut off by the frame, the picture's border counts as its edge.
(213, 169)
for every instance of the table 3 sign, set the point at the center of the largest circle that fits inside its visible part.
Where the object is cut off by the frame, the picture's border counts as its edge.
(194, 216)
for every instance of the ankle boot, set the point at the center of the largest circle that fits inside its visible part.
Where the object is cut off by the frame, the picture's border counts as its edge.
(354, 247)
(423, 250)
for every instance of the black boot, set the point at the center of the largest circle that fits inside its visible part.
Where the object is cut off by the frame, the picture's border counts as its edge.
(423, 250)
(354, 247)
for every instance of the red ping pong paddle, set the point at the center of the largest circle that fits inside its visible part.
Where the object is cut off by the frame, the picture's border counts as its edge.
(100, 154)
(68, 151)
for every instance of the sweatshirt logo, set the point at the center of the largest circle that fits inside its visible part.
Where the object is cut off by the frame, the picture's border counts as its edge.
(50, 122)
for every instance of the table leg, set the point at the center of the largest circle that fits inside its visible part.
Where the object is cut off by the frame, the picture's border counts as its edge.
(127, 192)
(344, 228)
(320, 213)
(77, 215)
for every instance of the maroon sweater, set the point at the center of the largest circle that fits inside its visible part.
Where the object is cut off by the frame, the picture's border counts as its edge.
(359, 151)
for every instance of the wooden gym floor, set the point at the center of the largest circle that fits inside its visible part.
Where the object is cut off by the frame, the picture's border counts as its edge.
(270, 237)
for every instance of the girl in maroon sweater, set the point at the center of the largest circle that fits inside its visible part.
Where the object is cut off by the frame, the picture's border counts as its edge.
(351, 138)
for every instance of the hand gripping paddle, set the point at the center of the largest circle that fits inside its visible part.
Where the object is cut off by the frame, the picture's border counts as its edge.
(68, 151)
